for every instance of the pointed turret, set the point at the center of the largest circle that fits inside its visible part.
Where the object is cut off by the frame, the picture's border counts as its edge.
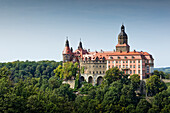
(67, 53)
(71, 49)
(67, 48)
(80, 45)
(67, 43)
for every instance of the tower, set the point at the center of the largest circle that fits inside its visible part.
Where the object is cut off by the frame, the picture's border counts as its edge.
(122, 45)
(80, 45)
(67, 53)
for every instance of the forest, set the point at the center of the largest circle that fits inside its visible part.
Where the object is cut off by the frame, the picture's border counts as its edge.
(36, 87)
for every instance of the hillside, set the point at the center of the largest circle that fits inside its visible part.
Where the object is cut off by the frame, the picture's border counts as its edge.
(166, 69)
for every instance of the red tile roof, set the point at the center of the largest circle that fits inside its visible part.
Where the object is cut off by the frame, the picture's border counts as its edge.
(108, 54)
(67, 50)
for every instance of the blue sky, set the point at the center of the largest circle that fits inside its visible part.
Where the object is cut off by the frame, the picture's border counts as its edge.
(37, 29)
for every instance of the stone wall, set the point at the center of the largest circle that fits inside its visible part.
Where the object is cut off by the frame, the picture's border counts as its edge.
(70, 82)
(94, 78)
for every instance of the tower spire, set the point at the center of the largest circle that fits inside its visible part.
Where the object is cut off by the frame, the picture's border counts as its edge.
(80, 45)
(122, 41)
(67, 42)
(123, 28)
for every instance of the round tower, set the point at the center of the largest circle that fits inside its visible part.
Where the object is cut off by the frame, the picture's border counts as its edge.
(67, 52)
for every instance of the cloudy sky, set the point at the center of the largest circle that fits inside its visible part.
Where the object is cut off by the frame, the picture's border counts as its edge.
(37, 29)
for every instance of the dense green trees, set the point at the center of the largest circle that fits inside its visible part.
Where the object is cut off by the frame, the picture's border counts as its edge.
(135, 81)
(68, 71)
(154, 85)
(44, 92)
(113, 74)
(22, 70)
(162, 74)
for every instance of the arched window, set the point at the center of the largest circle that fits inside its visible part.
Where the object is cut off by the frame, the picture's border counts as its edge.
(99, 80)
(90, 80)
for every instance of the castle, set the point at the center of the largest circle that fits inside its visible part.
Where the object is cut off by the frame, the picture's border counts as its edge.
(95, 64)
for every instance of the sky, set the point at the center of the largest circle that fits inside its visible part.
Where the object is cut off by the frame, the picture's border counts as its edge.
(37, 29)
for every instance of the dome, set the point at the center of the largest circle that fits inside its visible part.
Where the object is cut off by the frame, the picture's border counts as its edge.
(122, 33)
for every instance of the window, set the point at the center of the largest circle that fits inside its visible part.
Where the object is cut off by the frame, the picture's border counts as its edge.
(100, 72)
(96, 66)
(90, 72)
(112, 61)
(97, 72)
(89, 66)
(109, 62)
(103, 66)
(116, 61)
(123, 61)
(93, 65)
(134, 61)
(130, 66)
(130, 71)
(119, 66)
(126, 66)
(112, 66)
(134, 66)
(130, 61)
(109, 67)
(119, 61)
(93, 72)
(126, 61)
(147, 69)
(100, 66)
(123, 66)
(138, 61)
(103, 71)
(138, 66)
(133, 71)
(138, 71)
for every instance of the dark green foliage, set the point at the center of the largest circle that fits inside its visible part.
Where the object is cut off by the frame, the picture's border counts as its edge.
(162, 99)
(135, 80)
(113, 74)
(22, 70)
(154, 109)
(32, 94)
(77, 83)
(86, 87)
(154, 85)
(143, 106)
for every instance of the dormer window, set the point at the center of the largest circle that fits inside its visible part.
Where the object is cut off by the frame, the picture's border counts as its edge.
(111, 57)
(97, 58)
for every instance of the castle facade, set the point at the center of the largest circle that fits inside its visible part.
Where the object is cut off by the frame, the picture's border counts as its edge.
(95, 64)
